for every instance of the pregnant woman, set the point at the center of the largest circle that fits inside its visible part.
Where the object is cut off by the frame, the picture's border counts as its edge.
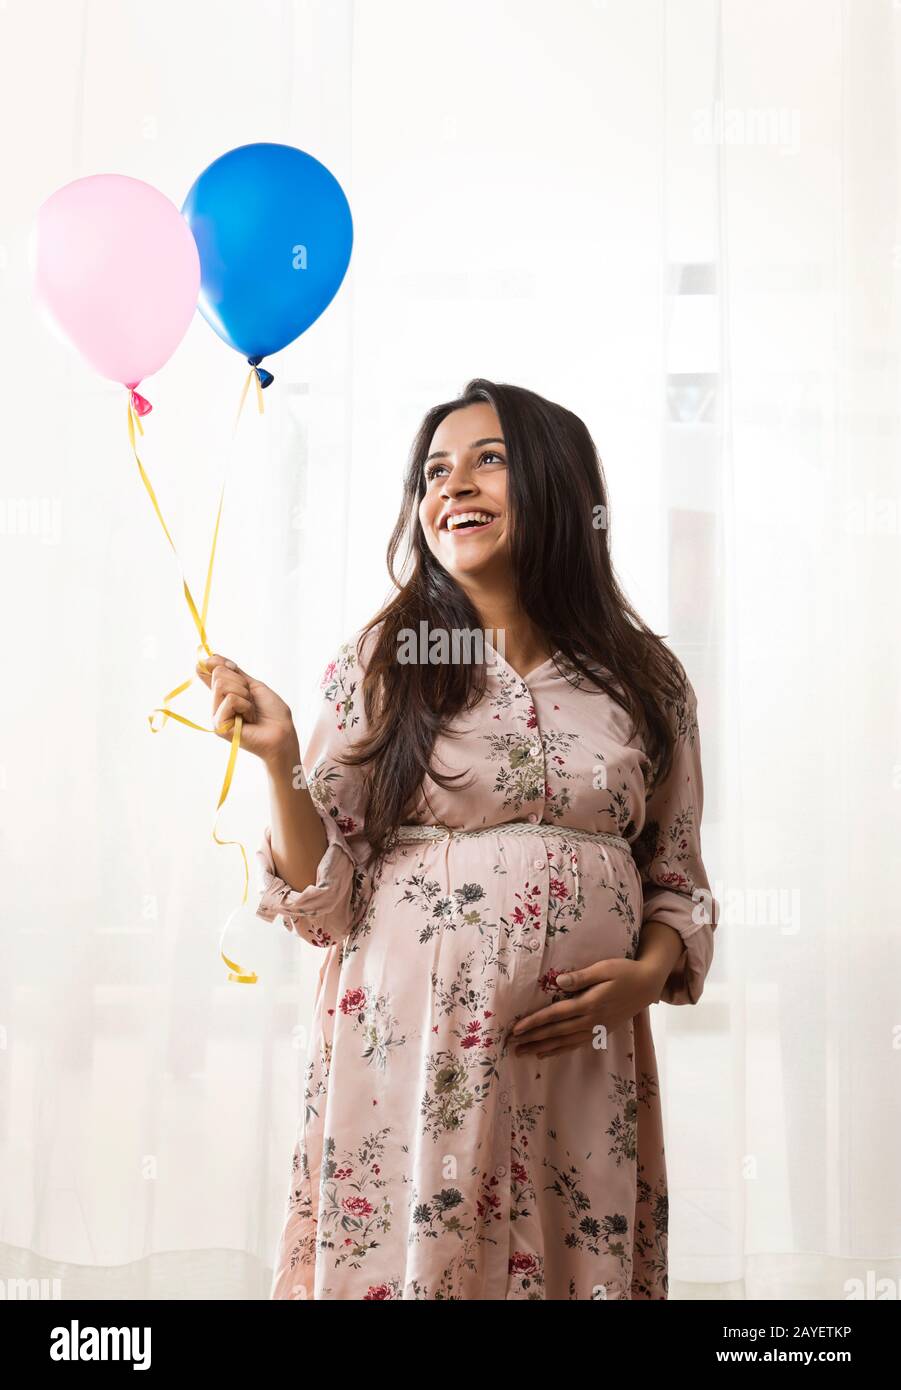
(496, 844)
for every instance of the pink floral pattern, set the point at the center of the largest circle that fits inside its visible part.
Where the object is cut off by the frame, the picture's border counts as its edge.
(432, 1160)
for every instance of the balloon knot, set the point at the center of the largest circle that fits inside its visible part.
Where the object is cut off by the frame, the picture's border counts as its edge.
(140, 404)
(263, 377)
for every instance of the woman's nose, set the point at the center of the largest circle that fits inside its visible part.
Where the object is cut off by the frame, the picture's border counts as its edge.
(453, 487)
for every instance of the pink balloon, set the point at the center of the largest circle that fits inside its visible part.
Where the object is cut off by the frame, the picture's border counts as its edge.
(117, 267)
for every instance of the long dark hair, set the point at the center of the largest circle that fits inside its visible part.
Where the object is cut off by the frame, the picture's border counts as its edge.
(564, 581)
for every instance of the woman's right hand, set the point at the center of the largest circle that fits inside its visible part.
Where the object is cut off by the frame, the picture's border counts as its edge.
(268, 730)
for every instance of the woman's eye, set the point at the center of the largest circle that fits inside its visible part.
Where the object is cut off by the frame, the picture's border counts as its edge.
(435, 468)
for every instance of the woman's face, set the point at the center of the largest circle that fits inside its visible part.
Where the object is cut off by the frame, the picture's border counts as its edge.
(464, 511)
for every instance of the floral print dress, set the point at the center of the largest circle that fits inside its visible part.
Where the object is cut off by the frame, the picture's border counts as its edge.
(431, 1161)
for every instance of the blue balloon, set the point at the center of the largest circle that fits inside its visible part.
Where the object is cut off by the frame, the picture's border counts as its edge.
(274, 232)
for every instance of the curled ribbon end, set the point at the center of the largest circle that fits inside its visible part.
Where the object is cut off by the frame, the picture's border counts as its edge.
(237, 975)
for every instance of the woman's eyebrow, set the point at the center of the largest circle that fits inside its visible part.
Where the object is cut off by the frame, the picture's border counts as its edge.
(476, 444)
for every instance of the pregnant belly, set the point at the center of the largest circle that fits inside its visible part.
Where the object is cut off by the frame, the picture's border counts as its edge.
(593, 914)
(483, 926)
(461, 941)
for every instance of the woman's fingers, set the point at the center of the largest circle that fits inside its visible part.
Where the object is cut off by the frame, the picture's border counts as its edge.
(549, 1046)
(229, 707)
(550, 1030)
(231, 692)
(236, 694)
(581, 1041)
(597, 973)
(208, 664)
(225, 683)
(563, 1008)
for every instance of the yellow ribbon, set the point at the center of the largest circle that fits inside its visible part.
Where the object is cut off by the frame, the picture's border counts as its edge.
(236, 974)
(252, 374)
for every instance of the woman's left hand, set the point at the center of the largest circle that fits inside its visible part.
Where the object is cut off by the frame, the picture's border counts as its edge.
(604, 996)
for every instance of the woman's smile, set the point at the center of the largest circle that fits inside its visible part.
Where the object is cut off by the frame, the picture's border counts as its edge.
(470, 523)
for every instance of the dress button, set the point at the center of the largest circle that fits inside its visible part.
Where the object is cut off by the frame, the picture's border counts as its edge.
(532, 817)
(538, 864)
(534, 944)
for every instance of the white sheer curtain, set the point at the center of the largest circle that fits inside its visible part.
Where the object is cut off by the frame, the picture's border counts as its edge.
(681, 220)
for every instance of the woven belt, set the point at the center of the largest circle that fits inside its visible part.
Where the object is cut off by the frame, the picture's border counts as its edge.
(513, 827)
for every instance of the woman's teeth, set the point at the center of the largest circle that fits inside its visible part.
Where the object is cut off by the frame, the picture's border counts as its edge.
(468, 519)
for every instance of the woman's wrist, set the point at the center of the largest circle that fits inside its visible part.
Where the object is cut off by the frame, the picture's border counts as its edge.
(654, 976)
(284, 756)
(659, 952)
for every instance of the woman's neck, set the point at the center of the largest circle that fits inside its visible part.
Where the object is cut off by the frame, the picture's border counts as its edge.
(519, 641)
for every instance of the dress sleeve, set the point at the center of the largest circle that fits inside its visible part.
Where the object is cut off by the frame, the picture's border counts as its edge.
(324, 912)
(668, 856)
